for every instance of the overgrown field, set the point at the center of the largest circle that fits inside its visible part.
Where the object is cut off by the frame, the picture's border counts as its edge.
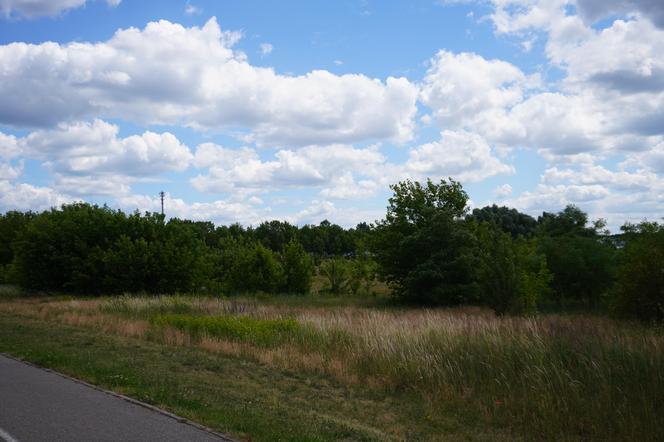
(453, 372)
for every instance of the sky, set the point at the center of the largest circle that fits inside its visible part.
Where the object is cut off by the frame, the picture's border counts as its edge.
(246, 111)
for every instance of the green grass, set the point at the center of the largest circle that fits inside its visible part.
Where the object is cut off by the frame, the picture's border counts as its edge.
(441, 373)
(244, 328)
(236, 396)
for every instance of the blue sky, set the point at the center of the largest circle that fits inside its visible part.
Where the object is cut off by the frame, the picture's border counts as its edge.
(306, 110)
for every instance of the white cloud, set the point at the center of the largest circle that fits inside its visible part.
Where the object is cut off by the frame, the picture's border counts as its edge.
(190, 9)
(326, 167)
(503, 190)
(41, 8)
(28, 197)
(466, 91)
(265, 49)
(219, 211)
(462, 155)
(594, 10)
(617, 196)
(37, 8)
(84, 148)
(170, 74)
(88, 158)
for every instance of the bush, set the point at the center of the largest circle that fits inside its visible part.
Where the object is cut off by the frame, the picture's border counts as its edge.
(336, 272)
(512, 275)
(639, 291)
(297, 267)
(253, 268)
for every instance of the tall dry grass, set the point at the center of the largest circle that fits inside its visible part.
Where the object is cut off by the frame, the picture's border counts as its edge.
(548, 377)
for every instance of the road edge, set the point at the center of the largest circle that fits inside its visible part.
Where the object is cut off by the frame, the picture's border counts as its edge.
(221, 436)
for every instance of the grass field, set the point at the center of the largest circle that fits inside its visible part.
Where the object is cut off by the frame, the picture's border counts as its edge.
(319, 369)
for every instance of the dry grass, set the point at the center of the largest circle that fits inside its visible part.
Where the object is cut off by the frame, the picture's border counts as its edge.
(560, 377)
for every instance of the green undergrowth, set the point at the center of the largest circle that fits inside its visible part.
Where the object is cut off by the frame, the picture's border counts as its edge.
(242, 328)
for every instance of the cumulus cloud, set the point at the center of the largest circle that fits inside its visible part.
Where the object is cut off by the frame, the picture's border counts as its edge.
(37, 8)
(191, 9)
(170, 74)
(83, 148)
(219, 211)
(503, 190)
(89, 158)
(594, 10)
(467, 91)
(266, 48)
(25, 197)
(617, 196)
(327, 167)
(40, 8)
(463, 155)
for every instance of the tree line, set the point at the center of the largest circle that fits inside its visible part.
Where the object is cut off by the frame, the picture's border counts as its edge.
(430, 249)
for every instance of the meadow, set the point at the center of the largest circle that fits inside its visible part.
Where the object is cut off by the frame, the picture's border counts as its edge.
(406, 373)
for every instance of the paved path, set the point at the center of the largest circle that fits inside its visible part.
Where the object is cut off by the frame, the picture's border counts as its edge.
(37, 405)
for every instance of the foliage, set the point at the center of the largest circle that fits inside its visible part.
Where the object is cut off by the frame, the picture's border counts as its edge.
(423, 247)
(639, 290)
(509, 220)
(298, 269)
(511, 273)
(362, 274)
(254, 268)
(581, 260)
(241, 328)
(336, 272)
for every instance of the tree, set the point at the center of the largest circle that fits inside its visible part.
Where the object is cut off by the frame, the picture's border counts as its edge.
(639, 290)
(12, 225)
(509, 220)
(254, 268)
(423, 247)
(297, 267)
(336, 272)
(511, 273)
(581, 260)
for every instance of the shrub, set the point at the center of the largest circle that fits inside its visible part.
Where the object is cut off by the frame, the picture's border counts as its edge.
(297, 268)
(639, 290)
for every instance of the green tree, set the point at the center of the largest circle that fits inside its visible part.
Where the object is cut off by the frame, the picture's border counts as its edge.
(12, 225)
(581, 259)
(509, 220)
(254, 268)
(297, 267)
(512, 275)
(336, 272)
(423, 247)
(639, 290)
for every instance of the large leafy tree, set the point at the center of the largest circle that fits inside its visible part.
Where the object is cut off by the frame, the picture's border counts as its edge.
(639, 290)
(423, 247)
(512, 275)
(579, 256)
(509, 220)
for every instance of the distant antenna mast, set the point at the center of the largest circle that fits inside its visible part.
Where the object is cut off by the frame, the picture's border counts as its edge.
(162, 195)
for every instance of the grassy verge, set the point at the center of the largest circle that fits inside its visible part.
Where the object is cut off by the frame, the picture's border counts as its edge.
(240, 397)
(372, 373)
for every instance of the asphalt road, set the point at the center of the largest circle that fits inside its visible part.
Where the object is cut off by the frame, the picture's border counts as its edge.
(37, 405)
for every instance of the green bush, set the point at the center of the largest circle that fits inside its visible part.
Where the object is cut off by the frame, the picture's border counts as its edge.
(297, 267)
(639, 290)
(512, 275)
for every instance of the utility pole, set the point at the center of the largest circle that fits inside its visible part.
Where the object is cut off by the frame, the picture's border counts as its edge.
(162, 195)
